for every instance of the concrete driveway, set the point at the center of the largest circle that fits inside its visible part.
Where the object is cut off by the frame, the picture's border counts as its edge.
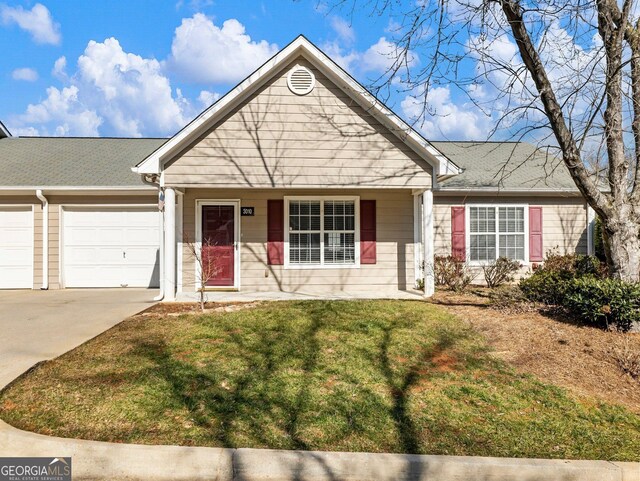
(40, 325)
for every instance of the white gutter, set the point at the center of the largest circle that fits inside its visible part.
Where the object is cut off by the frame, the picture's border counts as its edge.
(45, 239)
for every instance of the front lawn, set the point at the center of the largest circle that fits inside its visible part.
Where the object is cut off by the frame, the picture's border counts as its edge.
(377, 376)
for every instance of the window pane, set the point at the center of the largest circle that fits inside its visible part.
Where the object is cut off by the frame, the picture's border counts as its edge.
(304, 248)
(483, 247)
(482, 219)
(304, 215)
(511, 219)
(339, 248)
(512, 246)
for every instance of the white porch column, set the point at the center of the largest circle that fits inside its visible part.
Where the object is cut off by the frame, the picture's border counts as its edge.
(169, 244)
(591, 231)
(417, 236)
(428, 242)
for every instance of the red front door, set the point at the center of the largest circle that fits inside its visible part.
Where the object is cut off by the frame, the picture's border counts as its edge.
(218, 239)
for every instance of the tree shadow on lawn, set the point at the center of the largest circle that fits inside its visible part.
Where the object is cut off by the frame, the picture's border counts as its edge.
(280, 391)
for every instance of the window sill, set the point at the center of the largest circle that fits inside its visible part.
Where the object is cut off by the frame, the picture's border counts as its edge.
(318, 266)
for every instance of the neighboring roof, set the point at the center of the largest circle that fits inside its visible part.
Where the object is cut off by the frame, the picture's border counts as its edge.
(72, 162)
(4, 132)
(300, 46)
(508, 166)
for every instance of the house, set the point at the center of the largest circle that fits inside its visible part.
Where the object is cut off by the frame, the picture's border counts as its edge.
(297, 180)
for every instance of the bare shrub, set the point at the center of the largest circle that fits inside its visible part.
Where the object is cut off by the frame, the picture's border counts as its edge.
(627, 356)
(452, 272)
(501, 271)
(510, 300)
(207, 263)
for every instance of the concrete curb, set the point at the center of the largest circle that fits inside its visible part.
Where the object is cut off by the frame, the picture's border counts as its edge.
(93, 460)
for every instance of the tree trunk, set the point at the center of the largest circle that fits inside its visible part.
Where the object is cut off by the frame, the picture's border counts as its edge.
(623, 250)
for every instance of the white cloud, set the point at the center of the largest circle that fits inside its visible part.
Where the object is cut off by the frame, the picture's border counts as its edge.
(130, 92)
(203, 52)
(37, 21)
(444, 118)
(378, 58)
(382, 56)
(207, 98)
(26, 74)
(61, 113)
(59, 70)
(120, 92)
(343, 29)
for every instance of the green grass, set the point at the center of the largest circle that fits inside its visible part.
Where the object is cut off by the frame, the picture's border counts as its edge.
(377, 376)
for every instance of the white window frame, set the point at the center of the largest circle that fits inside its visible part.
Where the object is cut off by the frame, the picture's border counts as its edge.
(321, 199)
(497, 232)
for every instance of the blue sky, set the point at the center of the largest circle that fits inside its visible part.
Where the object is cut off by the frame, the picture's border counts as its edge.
(146, 67)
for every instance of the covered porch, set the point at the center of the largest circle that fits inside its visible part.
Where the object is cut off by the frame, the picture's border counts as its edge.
(356, 244)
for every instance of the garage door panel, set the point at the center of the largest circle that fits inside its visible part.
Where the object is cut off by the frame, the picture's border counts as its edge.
(16, 247)
(15, 236)
(110, 247)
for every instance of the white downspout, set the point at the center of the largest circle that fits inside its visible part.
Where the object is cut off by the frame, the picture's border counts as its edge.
(45, 239)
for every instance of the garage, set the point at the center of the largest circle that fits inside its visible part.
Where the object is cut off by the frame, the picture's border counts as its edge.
(16, 247)
(110, 247)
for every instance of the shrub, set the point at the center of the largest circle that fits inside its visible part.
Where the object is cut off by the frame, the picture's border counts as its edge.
(500, 272)
(546, 286)
(510, 300)
(604, 302)
(549, 283)
(452, 272)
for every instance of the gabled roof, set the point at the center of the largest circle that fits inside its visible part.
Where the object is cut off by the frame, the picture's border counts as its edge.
(4, 132)
(300, 46)
(72, 162)
(506, 166)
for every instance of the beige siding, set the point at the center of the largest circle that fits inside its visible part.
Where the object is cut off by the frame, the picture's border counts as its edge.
(564, 220)
(278, 139)
(393, 270)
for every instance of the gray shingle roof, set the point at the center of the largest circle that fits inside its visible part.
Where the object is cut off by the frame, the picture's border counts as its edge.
(504, 166)
(72, 162)
(107, 162)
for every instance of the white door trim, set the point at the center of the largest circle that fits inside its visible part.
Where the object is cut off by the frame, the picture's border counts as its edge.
(237, 232)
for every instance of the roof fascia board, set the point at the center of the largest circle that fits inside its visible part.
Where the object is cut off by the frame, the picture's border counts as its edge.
(490, 190)
(153, 163)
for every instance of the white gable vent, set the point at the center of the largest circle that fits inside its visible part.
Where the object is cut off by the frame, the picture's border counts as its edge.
(300, 80)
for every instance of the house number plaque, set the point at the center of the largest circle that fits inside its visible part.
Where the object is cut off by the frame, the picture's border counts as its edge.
(247, 211)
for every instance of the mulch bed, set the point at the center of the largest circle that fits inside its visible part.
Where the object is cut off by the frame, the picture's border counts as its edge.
(552, 348)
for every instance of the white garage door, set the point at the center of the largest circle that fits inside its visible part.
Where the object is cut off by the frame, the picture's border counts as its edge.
(105, 247)
(16, 247)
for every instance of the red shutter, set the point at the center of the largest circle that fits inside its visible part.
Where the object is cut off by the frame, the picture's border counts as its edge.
(458, 235)
(367, 231)
(535, 234)
(275, 232)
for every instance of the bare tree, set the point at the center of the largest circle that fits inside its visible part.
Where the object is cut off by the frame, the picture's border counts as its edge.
(560, 72)
(207, 262)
